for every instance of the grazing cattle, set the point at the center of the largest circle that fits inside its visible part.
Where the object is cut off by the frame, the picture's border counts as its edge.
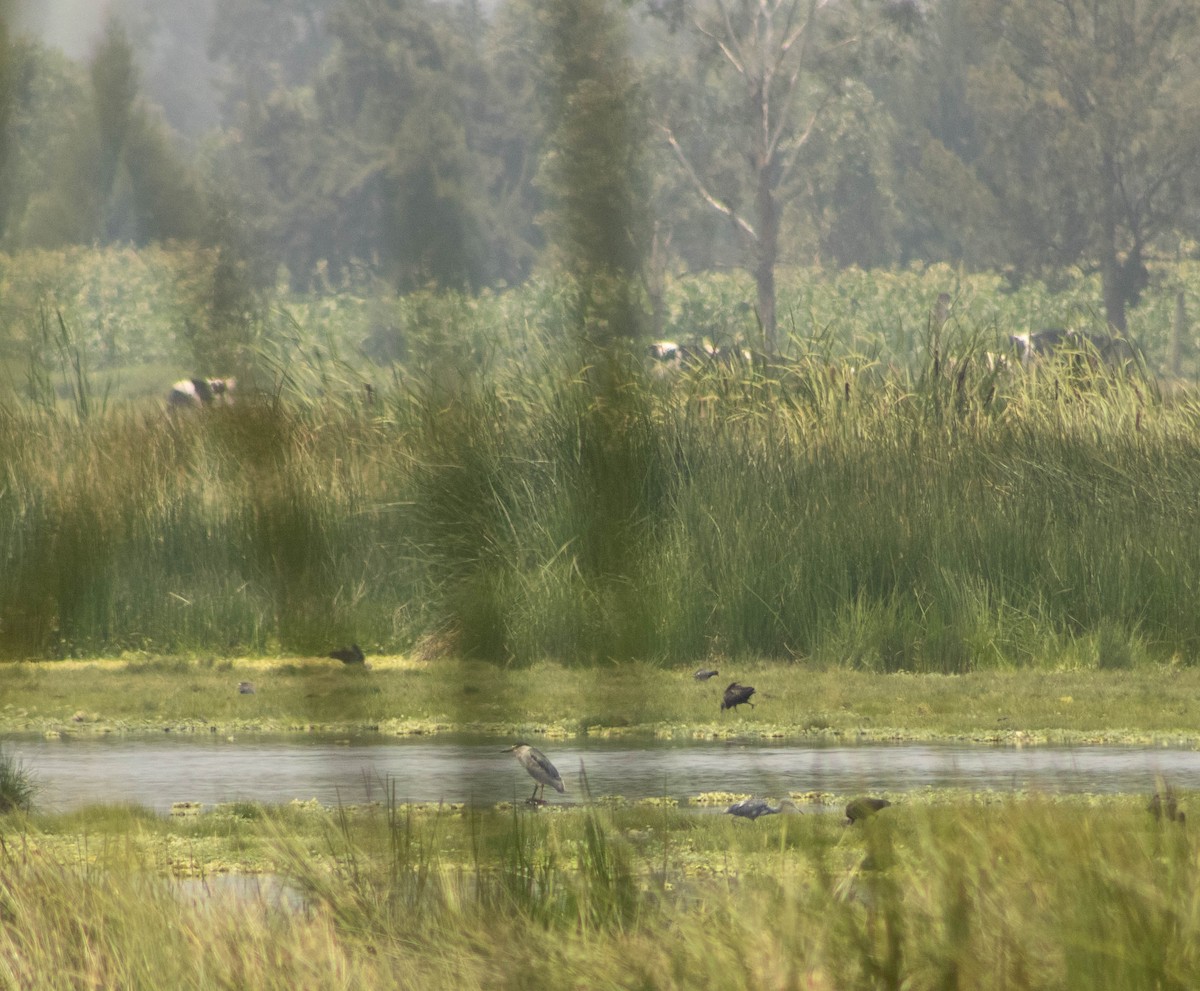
(201, 393)
(1115, 352)
(669, 356)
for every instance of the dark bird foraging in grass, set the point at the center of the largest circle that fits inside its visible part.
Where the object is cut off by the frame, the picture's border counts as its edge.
(245, 688)
(752, 808)
(863, 808)
(539, 768)
(735, 695)
(1164, 805)
(705, 673)
(348, 655)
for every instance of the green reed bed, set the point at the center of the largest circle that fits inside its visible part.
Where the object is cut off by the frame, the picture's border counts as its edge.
(527, 511)
(941, 890)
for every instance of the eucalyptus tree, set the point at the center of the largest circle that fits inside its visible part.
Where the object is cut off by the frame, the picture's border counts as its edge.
(1084, 143)
(769, 79)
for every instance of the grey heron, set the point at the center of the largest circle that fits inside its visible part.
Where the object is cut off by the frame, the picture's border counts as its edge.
(752, 808)
(539, 767)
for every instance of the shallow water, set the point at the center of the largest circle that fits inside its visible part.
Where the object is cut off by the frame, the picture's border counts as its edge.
(157, 772)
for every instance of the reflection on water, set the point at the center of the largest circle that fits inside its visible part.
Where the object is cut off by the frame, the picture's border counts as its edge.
(159, 772)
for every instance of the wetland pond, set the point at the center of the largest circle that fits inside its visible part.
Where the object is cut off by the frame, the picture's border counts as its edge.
(159, 771)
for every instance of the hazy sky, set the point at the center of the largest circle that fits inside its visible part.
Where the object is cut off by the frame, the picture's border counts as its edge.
(72, 25)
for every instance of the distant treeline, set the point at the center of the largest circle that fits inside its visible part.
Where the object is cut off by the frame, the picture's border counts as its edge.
(432, 144)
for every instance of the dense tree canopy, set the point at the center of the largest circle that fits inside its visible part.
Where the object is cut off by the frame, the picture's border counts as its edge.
(422, 143)
(1062, 133)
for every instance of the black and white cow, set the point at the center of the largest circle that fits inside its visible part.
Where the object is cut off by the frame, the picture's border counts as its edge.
(1115, 352)
(201, 393)
(667, 357)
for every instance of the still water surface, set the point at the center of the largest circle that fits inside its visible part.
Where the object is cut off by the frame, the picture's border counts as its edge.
(158, 772)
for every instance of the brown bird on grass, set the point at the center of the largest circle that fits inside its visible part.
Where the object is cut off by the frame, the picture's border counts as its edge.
(736, 695)
(863, 808)
(348, 655)
(1164, 805)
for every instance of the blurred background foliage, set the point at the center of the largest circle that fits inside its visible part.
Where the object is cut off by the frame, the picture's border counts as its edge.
(433, 240)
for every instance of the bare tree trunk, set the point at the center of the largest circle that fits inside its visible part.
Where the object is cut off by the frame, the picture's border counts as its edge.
(1114, 296)
(1111, 274)
(1179, 329)
(766, 251)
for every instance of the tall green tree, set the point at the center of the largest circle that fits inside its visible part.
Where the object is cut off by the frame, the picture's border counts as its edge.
(267, 45)
(377, 160)
(592, 170)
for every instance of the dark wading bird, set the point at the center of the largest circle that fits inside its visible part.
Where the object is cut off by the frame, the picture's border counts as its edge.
(1164, 805)
(539, 768)
(705, 673)
(735, 695)
(863, 808)
(348, 655)
(752, 808)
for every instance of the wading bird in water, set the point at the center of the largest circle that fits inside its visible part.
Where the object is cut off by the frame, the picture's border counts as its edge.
(752, 808)
(539, 768)
(735, 695)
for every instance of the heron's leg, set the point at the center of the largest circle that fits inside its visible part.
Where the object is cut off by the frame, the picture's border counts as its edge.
(534, 795)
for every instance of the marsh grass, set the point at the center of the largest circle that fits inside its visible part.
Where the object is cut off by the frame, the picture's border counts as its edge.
(17, 784)
(939, 891)
(501, 498)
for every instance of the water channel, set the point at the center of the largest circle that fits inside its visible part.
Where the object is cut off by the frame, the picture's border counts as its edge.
(157, 772)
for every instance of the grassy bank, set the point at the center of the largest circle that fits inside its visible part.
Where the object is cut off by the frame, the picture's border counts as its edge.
(941, 891)
(403, 696)
(921, 529)
(883, 500)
